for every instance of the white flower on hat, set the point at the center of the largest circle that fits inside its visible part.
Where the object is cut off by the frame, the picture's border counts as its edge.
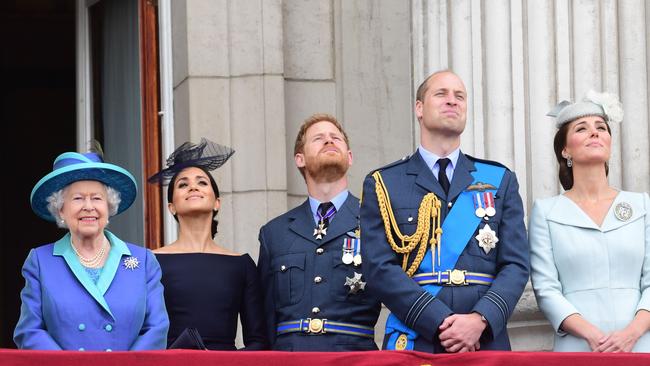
(609, 102)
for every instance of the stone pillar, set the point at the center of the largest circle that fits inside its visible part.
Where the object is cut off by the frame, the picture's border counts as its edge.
(518, 59)
(229, 88)
(248, 72)
(309, 76)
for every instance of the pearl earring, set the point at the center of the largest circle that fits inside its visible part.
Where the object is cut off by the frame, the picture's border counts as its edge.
(569, 162)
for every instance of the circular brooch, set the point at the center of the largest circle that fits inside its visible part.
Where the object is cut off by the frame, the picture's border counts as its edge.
(623, 211)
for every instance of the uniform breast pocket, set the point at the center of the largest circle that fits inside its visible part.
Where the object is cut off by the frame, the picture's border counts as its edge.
(488, 233)
(289, 277)
(407, 220)
(338, 289)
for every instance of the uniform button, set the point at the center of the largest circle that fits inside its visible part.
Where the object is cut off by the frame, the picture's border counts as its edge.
(283, 268)
(449, 205)
(320, 251)
(82, 327)
(109, 350)
(82, 349)
(318, 279)
(409, 219)
(108, 327)
(315, 310)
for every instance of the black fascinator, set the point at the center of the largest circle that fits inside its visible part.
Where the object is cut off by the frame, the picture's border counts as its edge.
(206, 155)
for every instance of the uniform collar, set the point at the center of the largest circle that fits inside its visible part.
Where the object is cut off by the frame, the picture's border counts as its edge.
(338, 202)
(430, 159)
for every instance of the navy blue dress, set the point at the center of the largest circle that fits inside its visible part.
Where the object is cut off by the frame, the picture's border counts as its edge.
(208, 292)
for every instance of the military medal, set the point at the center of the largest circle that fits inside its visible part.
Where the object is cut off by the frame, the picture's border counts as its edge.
(478, 205)
(321, 230)
(347, 256)
(355, 283)
(487, 238)
(357, 260)
(623, 211)
(357, 252)
(489, 204)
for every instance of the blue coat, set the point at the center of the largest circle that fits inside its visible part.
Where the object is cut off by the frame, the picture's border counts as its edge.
(600, 272)
(62, 308)
(407, 181)
(292, 294)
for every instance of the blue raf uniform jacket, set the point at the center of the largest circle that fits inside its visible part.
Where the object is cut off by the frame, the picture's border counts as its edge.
(62, 308)
(407, 182)
(290, 261)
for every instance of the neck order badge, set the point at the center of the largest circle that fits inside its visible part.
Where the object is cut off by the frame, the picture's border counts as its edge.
(325, 211)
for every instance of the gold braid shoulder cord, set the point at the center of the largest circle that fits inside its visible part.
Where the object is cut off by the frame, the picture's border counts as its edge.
(428, 212)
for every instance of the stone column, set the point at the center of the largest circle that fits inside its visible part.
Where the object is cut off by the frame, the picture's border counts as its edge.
(229, 88)
(518, 59)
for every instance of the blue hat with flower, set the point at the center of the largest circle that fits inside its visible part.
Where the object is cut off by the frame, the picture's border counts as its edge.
(72, 167)
(605, 105)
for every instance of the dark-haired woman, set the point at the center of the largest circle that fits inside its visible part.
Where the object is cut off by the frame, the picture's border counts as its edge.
(590, 247)
(207, 286)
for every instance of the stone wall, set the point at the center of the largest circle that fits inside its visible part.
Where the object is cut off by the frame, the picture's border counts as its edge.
(248, 72)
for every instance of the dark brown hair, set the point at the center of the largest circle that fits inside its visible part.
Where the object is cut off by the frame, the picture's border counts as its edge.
(559, 143)
(215, 188)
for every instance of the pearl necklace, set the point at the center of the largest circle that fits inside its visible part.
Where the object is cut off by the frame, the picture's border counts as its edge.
(95, 261)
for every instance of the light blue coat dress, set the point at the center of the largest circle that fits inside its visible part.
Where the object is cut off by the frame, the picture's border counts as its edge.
(63, 308)
(601, 273)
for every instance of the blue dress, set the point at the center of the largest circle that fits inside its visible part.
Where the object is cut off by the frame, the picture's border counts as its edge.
(207, 292)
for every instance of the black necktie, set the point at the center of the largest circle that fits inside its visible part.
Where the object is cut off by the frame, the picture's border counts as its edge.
(442, 174)
(325, 211)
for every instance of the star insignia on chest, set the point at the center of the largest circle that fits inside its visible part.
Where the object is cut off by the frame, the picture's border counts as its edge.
(131, 263)
(355, 283)
(487, 238)
(320, 231)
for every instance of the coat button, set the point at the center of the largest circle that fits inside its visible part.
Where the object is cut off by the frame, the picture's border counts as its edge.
(108, 327)
(318, 279)
(82, 327)
(82, 349)
(449, 205)
(320, 251)
(283, 268)
(409, 219)
(315, 310)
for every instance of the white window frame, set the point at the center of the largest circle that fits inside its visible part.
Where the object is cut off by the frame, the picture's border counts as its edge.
(85, 130)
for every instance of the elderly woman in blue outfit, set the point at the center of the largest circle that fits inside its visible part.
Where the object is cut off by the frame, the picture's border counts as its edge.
(590, 247)
(89, 290)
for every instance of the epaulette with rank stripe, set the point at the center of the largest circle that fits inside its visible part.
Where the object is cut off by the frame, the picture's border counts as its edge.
(395, 163)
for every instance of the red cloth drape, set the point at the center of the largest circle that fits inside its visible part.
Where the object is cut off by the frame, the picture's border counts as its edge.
(375, 358)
